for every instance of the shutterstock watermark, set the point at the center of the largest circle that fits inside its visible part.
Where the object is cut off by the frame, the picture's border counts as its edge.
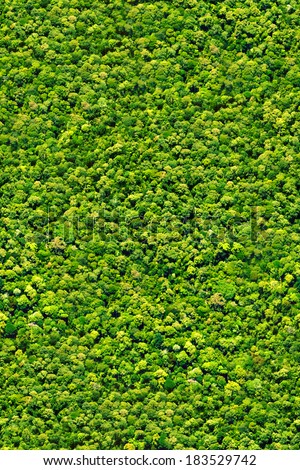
(59, 231)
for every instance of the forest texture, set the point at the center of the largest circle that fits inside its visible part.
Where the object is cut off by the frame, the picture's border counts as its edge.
(149, 225)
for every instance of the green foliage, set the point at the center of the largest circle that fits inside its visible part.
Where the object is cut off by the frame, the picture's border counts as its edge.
(169, 384)
(10, 329)
(149, 227)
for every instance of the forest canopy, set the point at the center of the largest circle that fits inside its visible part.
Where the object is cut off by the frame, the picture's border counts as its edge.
(149, 224)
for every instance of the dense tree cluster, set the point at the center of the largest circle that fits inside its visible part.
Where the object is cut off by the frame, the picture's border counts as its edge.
(149, 230)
